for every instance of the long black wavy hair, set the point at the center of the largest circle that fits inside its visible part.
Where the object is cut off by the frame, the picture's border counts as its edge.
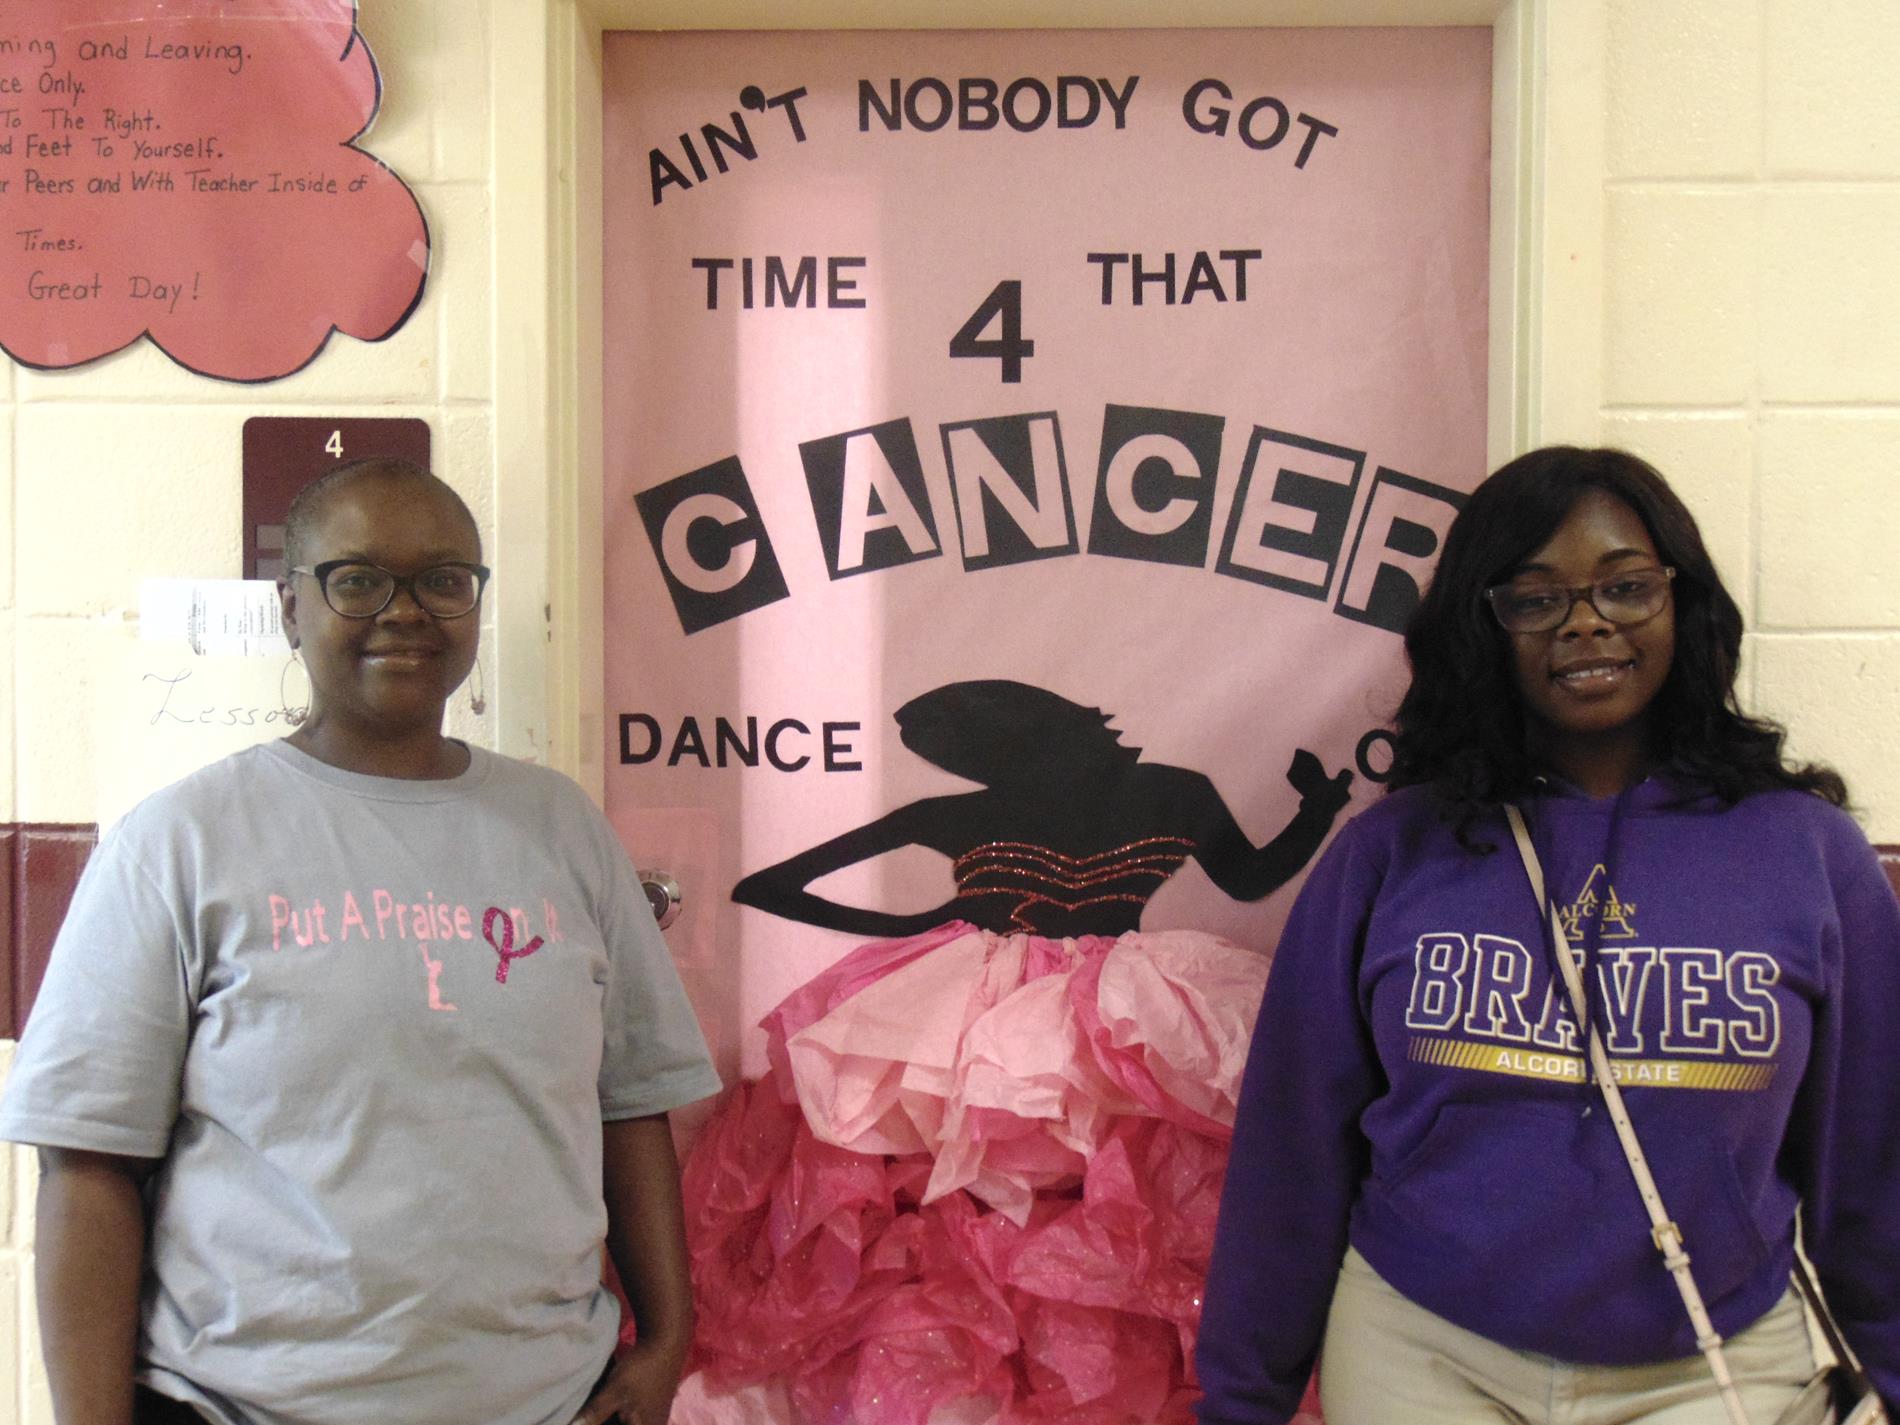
(1461, 727)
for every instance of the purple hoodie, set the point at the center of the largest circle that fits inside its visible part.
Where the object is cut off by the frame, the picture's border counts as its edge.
(1416, 1086)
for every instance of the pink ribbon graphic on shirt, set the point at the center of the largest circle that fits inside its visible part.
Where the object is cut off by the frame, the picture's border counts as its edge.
(506, 947)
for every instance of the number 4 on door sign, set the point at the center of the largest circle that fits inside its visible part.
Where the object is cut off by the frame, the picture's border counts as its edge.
(1004, 305)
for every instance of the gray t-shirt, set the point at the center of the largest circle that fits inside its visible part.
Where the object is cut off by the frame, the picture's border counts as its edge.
(372, 1028)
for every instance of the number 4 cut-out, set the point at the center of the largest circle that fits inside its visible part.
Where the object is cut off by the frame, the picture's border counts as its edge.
(1005, 303)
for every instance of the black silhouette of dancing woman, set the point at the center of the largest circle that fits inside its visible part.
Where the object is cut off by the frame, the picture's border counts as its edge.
(1071, 833)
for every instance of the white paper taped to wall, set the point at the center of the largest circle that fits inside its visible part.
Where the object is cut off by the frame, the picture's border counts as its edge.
(161, 709)
(213, 616)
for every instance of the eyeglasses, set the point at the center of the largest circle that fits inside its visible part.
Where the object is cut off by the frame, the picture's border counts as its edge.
(355, 589)
(1625, 599)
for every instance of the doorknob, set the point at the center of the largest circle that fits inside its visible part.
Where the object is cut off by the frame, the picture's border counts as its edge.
(663, 895)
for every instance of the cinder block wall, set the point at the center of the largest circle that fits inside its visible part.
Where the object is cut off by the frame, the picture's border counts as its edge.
(1750, 326)
(1752, 336)
(129, 468)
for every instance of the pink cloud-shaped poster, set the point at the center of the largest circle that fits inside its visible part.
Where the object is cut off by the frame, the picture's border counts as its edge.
(188, 172)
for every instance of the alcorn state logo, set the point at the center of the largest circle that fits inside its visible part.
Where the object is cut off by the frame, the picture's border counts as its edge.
(1599, 901)
(1713, 1003)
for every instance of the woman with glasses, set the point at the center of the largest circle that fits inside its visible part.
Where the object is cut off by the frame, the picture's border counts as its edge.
(1425, 1192)
(355, 1047)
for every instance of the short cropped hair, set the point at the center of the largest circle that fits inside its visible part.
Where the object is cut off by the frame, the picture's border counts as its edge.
(311, 500)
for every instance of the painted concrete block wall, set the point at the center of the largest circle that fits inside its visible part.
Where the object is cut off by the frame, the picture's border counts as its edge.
(1750, 326)
(1752, 336)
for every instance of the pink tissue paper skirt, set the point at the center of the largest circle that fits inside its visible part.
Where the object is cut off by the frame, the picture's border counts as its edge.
(978, 1183)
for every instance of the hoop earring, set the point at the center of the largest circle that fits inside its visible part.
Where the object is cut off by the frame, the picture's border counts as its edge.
(478, 695)
(295, 716)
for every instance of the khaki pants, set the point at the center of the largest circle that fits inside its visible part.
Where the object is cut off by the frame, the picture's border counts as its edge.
(1388, 1361)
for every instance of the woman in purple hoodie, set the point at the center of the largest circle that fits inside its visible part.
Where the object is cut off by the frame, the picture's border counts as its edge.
(1424, 1180)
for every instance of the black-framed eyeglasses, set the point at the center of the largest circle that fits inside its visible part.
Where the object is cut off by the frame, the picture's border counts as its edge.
(356, 589)
(1625, 598)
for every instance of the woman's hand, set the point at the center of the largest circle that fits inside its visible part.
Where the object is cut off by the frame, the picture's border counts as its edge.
(638, 1390)
(646, 1236)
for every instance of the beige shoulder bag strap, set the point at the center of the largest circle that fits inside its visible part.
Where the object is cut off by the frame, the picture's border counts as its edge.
(1663, 1232)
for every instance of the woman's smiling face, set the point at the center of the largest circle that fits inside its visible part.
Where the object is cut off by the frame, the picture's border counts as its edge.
(392, 672)
(1589, 685)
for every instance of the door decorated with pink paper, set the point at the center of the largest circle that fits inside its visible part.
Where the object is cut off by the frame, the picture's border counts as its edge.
(1023, 452)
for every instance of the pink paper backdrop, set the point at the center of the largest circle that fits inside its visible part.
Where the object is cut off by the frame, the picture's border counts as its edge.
(188, 173)
(1220, 633)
